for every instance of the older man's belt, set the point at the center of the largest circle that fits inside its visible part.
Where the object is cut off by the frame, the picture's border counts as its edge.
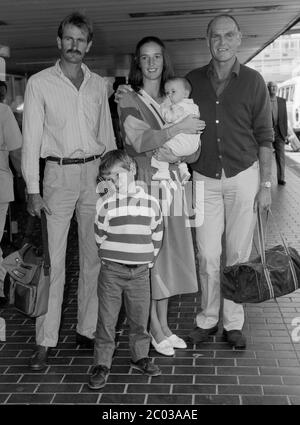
(69, 161)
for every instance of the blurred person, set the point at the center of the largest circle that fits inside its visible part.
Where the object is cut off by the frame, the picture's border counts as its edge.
(10, 147)
(280, 126)
(67, 121)
(3, 91)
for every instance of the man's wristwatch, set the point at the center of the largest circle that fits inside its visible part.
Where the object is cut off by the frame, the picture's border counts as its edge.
(266, 184)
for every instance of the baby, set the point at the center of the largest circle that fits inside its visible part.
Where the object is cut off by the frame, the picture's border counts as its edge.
(174, 109)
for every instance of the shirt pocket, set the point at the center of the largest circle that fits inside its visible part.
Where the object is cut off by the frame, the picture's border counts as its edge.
(91, 110)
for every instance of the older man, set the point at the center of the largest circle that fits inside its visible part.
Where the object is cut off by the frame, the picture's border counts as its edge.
(280, 126)
(235, 166)
(67, 122)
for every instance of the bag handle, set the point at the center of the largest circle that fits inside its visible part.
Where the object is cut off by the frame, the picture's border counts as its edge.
(27, 244)
(262, 249)
(295, 280)
(261, 241)
(45, 243)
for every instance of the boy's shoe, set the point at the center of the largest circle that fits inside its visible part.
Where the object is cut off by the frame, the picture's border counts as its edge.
(98, 377)
(146, 366)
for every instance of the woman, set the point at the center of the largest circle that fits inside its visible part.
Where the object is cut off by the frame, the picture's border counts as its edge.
(142, 131)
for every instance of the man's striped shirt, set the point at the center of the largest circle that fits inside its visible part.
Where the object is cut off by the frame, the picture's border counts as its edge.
(129, 228)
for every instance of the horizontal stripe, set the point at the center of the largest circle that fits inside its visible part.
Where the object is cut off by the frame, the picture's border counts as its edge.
(126, 256)
(119, 246)
(130, 239)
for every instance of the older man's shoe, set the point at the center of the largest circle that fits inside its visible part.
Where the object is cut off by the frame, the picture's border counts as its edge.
(282, 182)
(39, 359)
(84, 341)
(235, 338)
(98, 377)
(201, 335)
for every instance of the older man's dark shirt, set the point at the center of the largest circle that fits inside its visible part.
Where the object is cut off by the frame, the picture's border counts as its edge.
(238, 119)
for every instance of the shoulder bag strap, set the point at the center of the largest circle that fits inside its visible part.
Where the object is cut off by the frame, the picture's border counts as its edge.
(293, 271)
(262, 249)
(45, 243)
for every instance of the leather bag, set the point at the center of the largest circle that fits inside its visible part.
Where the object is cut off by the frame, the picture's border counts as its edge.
(28, 276)
(275, 272)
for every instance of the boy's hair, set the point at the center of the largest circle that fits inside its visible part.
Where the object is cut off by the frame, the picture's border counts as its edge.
(112, 158)
(184, 81)
(78, 20)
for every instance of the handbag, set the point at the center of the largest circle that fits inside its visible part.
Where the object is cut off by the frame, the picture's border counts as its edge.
(275, 272)
(28, 276)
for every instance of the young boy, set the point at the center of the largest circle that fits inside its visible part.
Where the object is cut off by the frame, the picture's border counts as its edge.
(174, 109)
(128, 230)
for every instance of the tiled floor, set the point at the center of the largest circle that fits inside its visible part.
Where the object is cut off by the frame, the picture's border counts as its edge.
(267, 372)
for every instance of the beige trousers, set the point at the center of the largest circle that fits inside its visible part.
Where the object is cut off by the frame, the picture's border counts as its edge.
(68, 188)
(228, 207)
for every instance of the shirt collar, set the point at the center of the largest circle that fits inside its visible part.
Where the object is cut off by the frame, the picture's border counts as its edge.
(234, 70)
(85, 69)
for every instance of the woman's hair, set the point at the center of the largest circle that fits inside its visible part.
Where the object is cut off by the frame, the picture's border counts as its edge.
(78, 20)
(135, 74)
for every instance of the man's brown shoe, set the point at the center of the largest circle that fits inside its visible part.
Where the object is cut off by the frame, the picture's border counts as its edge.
(235, 338)
(201, 335)
(39, 359)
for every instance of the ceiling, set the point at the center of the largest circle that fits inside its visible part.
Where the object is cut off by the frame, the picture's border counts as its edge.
(29, 28)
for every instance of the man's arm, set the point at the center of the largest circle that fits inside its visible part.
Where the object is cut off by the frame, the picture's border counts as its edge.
(33, 124)
(263, 198)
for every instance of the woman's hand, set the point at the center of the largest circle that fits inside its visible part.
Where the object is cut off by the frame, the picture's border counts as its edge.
(189, 125)
(122, 88)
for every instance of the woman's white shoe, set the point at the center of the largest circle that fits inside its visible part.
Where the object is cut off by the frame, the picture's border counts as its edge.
(176, 342)
(164, 347)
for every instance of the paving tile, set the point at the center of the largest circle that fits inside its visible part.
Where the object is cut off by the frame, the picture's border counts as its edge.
(237, 370)
(58, 388)
(76, 398)
(216, 379)
(149, 388)
(279, 371)
(260, 380)
(264, 400)
(172, 379)
(195, 370)
(169, 399)
(217, 399)
(109, 388)
(7, 379)
(239, 389)
(30, 398)
(194, 389)
(123, 398)
(291, 380)
(17, 388)
(38, 378)
(282, 390)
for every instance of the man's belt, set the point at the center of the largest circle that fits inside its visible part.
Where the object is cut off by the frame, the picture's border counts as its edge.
(69, 161)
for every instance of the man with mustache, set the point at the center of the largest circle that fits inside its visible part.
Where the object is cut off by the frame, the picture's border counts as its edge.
(67, 121)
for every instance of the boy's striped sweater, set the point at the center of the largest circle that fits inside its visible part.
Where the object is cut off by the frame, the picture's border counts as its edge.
(129, 228)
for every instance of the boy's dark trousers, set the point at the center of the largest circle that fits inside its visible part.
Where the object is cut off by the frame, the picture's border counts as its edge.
(133, 283)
